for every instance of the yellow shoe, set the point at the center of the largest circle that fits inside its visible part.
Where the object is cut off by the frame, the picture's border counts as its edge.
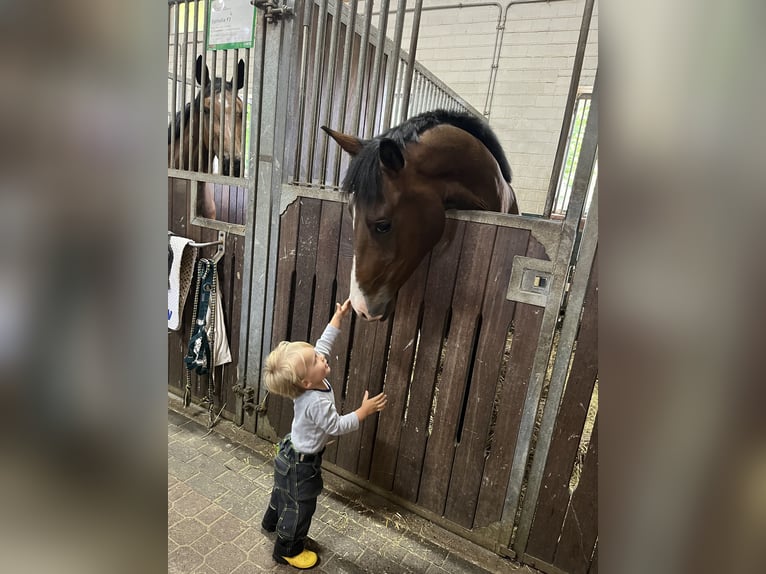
(306, 559)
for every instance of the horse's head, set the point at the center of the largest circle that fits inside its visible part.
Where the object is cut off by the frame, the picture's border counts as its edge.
(220, 111)
(396, 221)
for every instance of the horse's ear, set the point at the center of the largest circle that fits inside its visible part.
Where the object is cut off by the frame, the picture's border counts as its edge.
(390, 155)
(239, 81)
(198, 72)
(351, 144)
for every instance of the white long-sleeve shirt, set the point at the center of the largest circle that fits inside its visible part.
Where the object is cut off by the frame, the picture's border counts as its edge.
(315, 418)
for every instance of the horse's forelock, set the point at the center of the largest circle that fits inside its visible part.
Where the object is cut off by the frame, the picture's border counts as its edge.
(363, 178)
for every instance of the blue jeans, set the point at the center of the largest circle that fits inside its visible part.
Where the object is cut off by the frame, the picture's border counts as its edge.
(297, 484)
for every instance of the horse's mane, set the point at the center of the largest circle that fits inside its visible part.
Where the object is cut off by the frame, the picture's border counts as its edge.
(194, 106)
(363, 177)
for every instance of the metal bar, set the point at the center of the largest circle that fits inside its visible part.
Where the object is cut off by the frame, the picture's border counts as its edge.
(344, 80)
(566, 343)
(574, 83)
(246, 166)
(372, 96)
(209, 168)
(411, 61)
(204, 177)
(194, 59)
(330, 85)
(393, 64)
(550, 315)
(204, 79)
(233, 118)
(182, 153)
(362, 66)
(172, 163)
(222, 127)
(308, 5)
(316, 84)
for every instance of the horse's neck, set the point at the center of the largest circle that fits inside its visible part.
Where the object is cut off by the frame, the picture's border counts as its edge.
(466, 183)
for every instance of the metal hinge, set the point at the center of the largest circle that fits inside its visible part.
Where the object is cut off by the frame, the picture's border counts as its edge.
(247, 394)
(273, 10)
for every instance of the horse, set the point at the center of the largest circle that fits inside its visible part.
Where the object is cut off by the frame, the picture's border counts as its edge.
(400, 185)
(217, 118)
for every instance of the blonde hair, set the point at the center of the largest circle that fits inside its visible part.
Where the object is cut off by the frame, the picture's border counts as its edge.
(285, 368)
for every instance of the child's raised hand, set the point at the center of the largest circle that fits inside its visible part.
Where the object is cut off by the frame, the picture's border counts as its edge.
(341, 310)
(373, 405)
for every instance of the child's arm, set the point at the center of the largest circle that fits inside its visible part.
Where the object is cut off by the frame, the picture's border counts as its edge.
(327, 418)
(324, 344)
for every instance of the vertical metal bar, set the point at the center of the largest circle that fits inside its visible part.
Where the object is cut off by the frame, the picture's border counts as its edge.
(307, 21)
(246, 98)
(175, 91)
(572, 139)
(372, 96)
(550, 315)
(348, 47)
(203, 80)
(396, 112)
(233, 118)
(182, 152)
(582, 42)
(210, 116)
(222, 126)
(393, 64)
(411, 60)
(559, 375)
(330, 93)
(194, 60)
(361, 76)
(419, 95)
(316, 84)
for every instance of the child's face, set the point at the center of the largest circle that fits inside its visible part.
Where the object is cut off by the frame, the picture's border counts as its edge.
(317, 369)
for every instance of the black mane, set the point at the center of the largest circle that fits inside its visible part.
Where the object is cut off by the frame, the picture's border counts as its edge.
(363, 177)
(216, 85)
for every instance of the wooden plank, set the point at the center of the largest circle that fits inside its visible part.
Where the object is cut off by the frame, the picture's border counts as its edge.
(497, 466)
(404, 334)
(362, 351)
(378, 361)
(565, 439)
(178, 218)
(326, 269)
(439, 287)
(578, 536)
(497, 313)
(470, 284)
(305, 265)
(339, 363)
(225, 191)
(288, 238)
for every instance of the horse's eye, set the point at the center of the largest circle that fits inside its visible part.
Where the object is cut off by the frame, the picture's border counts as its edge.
(383, 226)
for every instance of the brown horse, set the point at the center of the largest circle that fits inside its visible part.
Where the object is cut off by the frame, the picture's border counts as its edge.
(402, 182)
(216, 120)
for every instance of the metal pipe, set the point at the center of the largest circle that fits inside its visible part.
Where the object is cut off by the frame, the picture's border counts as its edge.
(203, 80)
(210, 118)
(181, 152)
(330, 95)
(362, 66)
(411, 61)
(372, 96)
(393, 65)
(194, 59)
(245, 167)
(174, 90)
(574, 83)
(222, 122)
(309, 4)
(315, 86)
(344, 79)
(233, 117)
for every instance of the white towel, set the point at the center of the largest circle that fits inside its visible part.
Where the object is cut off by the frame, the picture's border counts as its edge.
(179, 278)
(221, 351)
